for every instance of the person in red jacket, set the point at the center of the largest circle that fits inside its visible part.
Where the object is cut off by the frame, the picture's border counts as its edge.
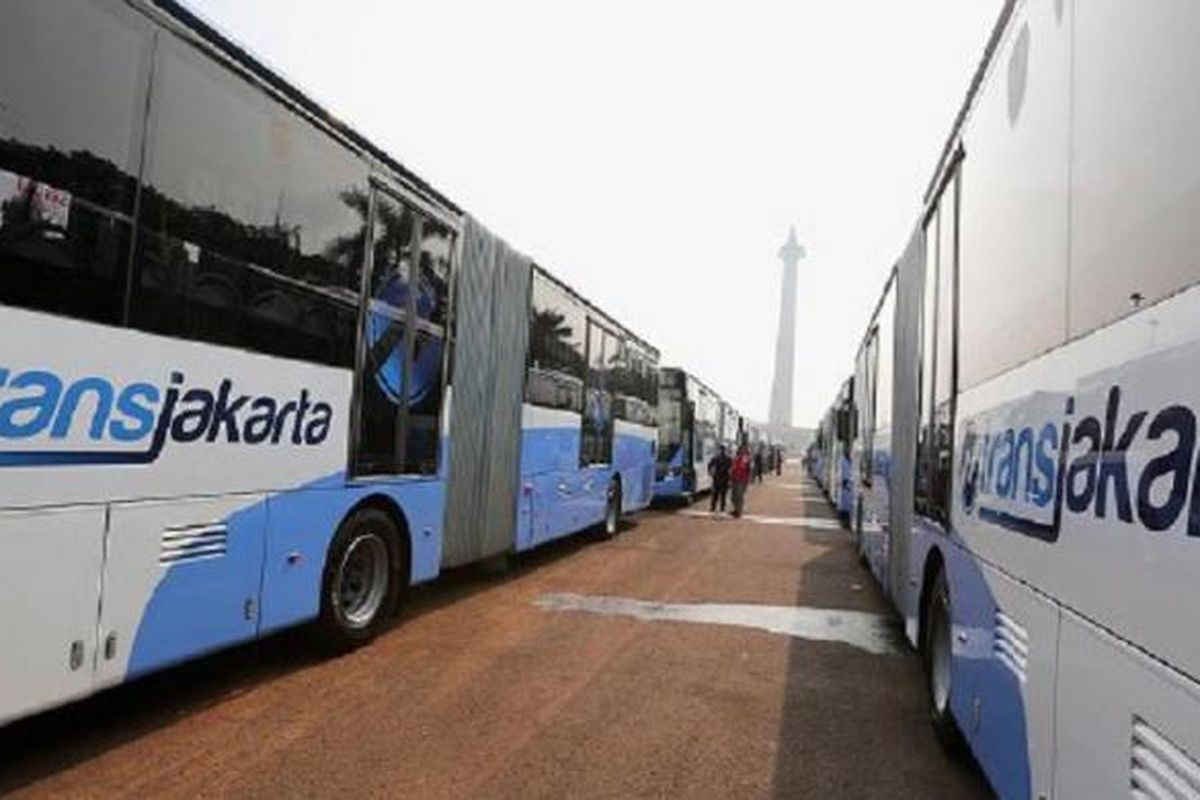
(739, 476)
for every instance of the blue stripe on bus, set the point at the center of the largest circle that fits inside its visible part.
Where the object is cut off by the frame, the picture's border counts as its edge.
(275, 558)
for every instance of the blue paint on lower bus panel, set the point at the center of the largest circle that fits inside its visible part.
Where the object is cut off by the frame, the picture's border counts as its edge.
(559, 497)
(1000, 741)
(199, 605)
(670, 488)
(673, 484)
(274, 561)
(633, 459)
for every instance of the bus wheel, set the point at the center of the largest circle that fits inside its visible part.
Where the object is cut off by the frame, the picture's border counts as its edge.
(939, 664)
(359, 587)
(612, 513)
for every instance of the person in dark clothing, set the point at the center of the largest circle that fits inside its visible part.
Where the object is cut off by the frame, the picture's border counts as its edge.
(718, 467)
(758, 465)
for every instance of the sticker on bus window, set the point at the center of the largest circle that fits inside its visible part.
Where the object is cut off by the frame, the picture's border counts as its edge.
(28, 202)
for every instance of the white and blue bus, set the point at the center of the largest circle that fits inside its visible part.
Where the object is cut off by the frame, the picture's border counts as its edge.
(1027, 477)
(690, 430)
(253, 372)
(830, 452)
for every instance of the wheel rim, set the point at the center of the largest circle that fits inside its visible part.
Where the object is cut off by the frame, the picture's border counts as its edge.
(362, 580)
(939, 673)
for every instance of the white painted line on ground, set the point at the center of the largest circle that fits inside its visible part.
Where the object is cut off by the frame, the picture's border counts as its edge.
(859, 629)
(816, 523)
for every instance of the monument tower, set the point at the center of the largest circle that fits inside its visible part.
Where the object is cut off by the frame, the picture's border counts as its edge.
(785, 344)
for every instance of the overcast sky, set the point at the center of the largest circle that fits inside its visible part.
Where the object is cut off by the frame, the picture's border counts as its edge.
(653, 153)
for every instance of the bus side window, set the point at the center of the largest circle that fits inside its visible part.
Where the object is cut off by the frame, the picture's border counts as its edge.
(946, 370)
(938, 361)
(251, 232)
(926, 378)
(72, 103)
(555, 367)
(430, 348)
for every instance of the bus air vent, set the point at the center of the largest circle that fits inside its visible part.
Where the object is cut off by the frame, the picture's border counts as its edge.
(192, 543)
(1159, 769)
(1011, 645)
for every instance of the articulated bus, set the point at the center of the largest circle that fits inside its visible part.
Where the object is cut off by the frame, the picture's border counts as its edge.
(255, 373)
(1027, 481)
(690, 429)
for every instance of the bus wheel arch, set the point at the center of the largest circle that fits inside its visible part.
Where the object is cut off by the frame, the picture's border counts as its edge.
(614, 501)
(935, 637)
(367, 565)
(934, 564)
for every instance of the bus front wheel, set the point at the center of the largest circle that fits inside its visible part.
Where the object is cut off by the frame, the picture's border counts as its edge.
(359, 586)
(939, 663)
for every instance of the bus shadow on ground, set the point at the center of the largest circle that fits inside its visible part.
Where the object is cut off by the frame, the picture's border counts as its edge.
(854, 724)
(37, 747)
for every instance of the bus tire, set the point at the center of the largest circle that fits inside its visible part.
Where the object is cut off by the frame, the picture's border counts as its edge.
(938, 656)
(361, 580)
(612, 511)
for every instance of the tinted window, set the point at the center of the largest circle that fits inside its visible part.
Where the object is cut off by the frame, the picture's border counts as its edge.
(260, 217)
(72, 97)
(945, 371)
(887, 334)
(597, 422)
(634, 384)
(430, 345)
(234, 169)
(72, 102)
(935, 439)
(926, 375)
(947, 265)
(381, 391)
(670, 421)
(557, 330)
(199, 293)
(60, 256)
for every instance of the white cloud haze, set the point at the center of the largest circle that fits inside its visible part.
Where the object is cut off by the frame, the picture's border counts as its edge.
(653, 154)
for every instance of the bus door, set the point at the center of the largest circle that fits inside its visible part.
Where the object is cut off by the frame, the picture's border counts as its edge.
(687, 439)
(50, 567)
(596, 450)
(402, 352)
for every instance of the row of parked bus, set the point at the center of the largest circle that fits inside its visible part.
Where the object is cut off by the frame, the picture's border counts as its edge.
(828, 455)
(1019, 433)
(256, 373)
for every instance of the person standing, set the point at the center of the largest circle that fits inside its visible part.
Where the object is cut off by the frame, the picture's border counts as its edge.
(718, 467)
(739, 475)
(758, 464)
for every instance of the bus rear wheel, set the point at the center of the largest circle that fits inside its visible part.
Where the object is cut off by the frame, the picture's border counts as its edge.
(612, 511)
(939, 661)
(360, 584)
